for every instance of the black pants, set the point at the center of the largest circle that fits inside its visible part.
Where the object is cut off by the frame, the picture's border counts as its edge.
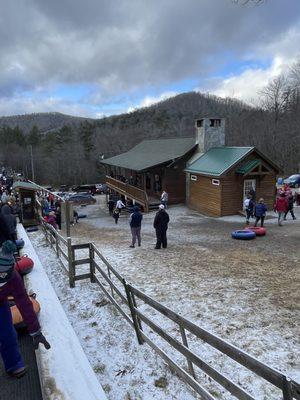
(292, 213)
(248, 215)
(261, 221)
(161, 238)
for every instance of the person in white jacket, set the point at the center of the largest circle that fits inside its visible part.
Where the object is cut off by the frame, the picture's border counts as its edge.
(120, 205)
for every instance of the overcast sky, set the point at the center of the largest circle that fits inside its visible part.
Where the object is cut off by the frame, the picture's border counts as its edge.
(103, 57)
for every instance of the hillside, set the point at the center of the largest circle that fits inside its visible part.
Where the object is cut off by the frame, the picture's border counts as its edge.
(67, 149)
(44, 121)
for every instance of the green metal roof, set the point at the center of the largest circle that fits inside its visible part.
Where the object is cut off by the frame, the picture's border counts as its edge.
(25, 185)
(149, 153)
(248, 166)
(218, 160)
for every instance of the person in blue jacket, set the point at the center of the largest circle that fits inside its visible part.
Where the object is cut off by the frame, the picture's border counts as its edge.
(260, 212)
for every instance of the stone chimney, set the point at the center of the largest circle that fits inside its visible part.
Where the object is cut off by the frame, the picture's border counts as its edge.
(210, 132)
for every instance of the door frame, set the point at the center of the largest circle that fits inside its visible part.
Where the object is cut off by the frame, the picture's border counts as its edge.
(252, 182)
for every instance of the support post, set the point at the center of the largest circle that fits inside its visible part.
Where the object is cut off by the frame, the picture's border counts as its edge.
(68, 226)
(111, 288)
(92, 264)
(56, 245)
(135, 321)
(185, 342)
(70, 263)
(287, 389)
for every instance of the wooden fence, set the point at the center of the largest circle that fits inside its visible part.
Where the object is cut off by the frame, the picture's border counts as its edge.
(124, 297)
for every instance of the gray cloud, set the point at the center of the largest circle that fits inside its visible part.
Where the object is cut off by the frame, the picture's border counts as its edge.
(131, 44)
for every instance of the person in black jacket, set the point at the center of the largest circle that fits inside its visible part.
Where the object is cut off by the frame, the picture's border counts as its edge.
(10, 221)
(4, 231)
(290, 206)
(160, 224)
(135, 223)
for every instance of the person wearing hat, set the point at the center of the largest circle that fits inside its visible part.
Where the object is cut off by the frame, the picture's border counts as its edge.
(11, 284)
(160, 224)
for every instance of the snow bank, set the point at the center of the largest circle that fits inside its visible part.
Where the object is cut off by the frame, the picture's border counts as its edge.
(65, 371)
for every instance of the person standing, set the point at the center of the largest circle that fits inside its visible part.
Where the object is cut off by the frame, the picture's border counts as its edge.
(10, 220)
(160, 224)
(290, 206)
(135, 223)
(281, 207)
(11, 283)
(249, 206)
(164, 199)
(260, 212)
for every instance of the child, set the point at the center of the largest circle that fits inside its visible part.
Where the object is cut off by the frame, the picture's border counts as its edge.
(249, 205)
(116, 215)
(260, 212)
(281, 207)
(11, 284)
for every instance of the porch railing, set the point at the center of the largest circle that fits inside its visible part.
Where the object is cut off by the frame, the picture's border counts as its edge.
(139, 195)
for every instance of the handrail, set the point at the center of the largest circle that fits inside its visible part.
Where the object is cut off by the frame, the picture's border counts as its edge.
(136, 193)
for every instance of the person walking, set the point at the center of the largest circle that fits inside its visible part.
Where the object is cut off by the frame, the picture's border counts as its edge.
(160, 224)
(116, 215)
(260, 212)
(281, 207)
(11, 283)
(111, 204)
(290, 206)
(120, 205)
(249, 206)
(135, 223)
(164, 199)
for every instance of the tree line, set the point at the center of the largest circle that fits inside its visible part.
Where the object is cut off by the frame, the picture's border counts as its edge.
(71, 154)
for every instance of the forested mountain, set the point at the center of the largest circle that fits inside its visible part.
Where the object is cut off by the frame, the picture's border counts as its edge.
(67, 150)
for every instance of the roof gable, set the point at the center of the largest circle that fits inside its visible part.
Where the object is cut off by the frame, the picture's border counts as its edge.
(216, 161)
(149, 153)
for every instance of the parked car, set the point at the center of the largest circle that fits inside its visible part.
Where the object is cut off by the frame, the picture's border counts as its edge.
(293, 181)
(85, 188)
(100, 188)
(81, 198)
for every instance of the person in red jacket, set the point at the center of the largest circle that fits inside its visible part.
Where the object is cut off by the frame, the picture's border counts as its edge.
(12, 284)
(281, 207)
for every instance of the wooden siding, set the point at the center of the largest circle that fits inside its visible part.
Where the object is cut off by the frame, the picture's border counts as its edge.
(227, 199)
(205, 197)
(174, 183)
(232, 194)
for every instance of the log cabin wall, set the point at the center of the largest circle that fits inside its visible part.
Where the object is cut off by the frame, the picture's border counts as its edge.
(232, 194)
(205, 197)
(266, 188)
(174, 182)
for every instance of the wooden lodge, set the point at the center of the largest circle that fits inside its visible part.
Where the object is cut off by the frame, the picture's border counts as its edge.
(220, 180)
(202, 172)
(142, 173)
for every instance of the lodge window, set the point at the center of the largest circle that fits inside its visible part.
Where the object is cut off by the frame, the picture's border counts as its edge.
(215, 123)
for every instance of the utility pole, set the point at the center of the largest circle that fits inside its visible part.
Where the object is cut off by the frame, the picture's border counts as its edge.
(32, 166)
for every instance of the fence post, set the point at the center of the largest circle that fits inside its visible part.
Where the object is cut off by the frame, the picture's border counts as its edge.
(56, 245)
(287, 389)
(111, 288)
(185, 342)
(92, 264)
(135, 319)
(70, 263)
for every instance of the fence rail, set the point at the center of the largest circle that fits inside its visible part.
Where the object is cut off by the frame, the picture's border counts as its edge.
(124, 297)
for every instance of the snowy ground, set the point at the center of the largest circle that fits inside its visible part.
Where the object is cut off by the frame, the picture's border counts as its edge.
(246, 292)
